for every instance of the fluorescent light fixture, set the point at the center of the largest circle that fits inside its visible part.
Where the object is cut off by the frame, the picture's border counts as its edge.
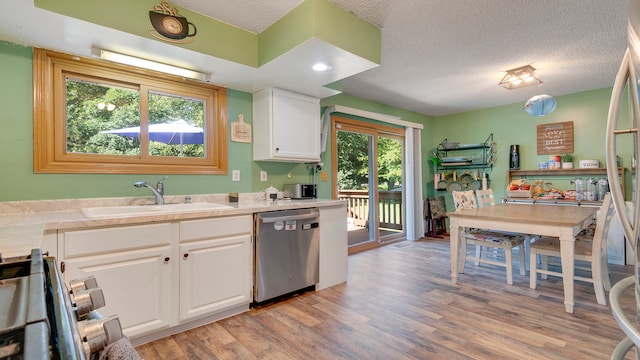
(151, 65)
(321, 67)
(520, 77)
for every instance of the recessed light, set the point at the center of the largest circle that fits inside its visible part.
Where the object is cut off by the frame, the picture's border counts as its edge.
(321, 67)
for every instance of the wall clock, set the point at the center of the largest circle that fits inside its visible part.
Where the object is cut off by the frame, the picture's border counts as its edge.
(172, 25)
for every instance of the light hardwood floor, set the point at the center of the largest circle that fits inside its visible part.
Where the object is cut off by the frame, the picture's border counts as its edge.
(399, 303)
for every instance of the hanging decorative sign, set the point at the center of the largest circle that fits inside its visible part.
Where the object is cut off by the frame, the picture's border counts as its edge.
(240, 131)
(169, 26)
(555, 138)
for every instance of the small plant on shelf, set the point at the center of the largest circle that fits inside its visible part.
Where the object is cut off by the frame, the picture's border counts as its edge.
(567, 161)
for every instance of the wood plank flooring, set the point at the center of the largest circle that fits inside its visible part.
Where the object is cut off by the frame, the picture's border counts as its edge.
(399, 303)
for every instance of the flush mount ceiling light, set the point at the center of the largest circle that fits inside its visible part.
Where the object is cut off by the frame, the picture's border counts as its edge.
(520, 77)
(151, 65)
(321, 67)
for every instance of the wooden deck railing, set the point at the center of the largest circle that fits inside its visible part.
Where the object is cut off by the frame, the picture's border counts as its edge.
(389, 205)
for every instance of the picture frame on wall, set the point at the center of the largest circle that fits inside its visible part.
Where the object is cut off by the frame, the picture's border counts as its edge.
(555, 138)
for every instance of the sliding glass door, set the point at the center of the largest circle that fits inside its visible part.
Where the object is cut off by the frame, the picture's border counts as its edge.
(369, 175)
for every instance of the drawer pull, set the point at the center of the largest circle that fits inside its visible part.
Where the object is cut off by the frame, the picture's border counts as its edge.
(167, 259)
(185, 255)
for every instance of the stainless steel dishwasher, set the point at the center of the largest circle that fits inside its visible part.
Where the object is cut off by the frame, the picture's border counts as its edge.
(287, 247)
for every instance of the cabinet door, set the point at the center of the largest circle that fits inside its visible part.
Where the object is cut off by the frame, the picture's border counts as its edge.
(215, 275)
(134, 267)
(333, 246)
(286, 126)
(296, 126)
(136, 286)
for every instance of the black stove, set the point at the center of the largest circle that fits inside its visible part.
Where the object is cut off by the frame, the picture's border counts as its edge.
(41, 319)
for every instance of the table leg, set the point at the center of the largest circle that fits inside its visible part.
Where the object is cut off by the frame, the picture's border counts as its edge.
(567, 254)
(454, 238)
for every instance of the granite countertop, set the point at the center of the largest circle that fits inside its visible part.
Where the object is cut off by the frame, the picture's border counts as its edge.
(23, 223)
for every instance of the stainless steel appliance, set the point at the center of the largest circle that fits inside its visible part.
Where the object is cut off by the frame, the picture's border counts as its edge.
(627, 78)
(40, 319)
(300, 191)
(287, 248)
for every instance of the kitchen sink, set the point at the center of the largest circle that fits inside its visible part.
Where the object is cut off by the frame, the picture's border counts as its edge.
(132, 210)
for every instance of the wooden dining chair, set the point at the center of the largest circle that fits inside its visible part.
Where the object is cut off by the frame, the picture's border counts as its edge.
(487, 238)
(591, 247)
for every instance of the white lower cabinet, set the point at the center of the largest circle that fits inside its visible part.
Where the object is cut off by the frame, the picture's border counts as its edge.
(333, 246)
(154, 279)
(133, 265)
(215, 265)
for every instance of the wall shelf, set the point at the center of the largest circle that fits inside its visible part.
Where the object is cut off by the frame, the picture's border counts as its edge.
(467, 156)
(563, 172)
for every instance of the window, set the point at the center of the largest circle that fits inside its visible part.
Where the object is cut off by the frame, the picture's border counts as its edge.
(94, 116)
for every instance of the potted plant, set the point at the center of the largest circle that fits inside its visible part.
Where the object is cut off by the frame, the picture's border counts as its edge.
(567, 161)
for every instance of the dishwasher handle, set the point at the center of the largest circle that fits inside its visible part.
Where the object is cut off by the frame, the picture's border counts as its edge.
(290, 217)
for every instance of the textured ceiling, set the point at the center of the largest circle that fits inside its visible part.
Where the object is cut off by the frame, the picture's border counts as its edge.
(438, 56)
(447, 56)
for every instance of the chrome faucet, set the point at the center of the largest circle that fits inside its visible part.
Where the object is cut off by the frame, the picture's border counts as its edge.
(158, 191)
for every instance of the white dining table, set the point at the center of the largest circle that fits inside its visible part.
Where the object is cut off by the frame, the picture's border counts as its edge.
(563, 222)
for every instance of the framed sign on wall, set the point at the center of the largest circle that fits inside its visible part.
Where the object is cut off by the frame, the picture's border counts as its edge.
(555, 138)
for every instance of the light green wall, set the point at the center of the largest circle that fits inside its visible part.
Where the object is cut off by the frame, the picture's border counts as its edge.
(311, 19)
(18, 182)
(510, 124)
(323, 20)
(213, 37)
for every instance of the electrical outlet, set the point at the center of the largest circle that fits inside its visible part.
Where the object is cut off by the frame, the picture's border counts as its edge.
(263, 176)
(235, 175)
(323, 175)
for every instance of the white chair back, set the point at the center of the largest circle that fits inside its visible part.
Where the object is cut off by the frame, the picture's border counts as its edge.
(605, 215)
(485, 198)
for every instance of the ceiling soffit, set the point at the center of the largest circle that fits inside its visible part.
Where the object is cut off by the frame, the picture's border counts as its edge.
(313, 31)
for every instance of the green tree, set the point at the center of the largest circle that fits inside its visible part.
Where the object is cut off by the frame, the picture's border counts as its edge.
(353, 159)
(94, 107)
(389, 163)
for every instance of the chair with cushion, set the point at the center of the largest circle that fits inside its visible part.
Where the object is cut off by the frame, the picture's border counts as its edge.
(590, 246)
(485, 198)
(487, 238)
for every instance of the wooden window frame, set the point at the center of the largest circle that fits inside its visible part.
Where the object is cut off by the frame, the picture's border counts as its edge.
(49, 133)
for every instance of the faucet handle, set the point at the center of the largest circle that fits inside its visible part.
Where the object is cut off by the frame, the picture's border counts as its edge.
(160, 185)
(161, 181)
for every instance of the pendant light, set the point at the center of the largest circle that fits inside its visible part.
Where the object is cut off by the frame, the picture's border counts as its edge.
(540, 105)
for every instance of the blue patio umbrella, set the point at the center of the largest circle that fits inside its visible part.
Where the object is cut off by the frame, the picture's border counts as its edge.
(171, 133)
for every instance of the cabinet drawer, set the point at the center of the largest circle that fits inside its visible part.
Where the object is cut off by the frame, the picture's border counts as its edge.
(191, 230)
(95, 241)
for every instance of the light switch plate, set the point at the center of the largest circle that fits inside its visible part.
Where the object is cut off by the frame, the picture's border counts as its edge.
(235, 175)
(263, 176)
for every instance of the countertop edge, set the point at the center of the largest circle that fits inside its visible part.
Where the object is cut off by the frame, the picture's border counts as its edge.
(74, 219)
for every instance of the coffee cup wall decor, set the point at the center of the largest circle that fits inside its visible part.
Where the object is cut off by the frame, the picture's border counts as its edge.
(169, 25)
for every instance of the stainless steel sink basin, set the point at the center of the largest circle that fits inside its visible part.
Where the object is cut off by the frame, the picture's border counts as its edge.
(132, 210)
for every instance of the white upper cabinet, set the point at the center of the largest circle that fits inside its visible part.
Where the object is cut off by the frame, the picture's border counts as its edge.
(286, 126)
